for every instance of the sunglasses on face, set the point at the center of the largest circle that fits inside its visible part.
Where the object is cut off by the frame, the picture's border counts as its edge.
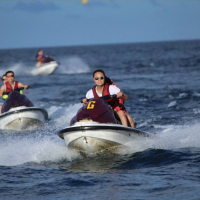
(3, 79)
(10, 76)
(97, 78)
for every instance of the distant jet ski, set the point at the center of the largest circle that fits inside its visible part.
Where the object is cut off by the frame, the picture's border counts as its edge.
(46, 68)
(19, 113)
(94, 128)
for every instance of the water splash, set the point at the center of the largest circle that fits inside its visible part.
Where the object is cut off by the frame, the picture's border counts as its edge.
(171, 138)
(61, 116)
(19, 150)
(17, 68)
(42, 145)
(72, 65)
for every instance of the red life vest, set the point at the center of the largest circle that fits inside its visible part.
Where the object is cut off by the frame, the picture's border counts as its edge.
(106, 92)
(40, 58)
(9, 87)
(120, 101)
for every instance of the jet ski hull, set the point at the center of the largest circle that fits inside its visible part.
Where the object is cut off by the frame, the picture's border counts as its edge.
(93, 137)
(23, 118)
(45, 69)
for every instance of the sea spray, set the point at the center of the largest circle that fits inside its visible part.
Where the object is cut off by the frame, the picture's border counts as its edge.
(72, 65)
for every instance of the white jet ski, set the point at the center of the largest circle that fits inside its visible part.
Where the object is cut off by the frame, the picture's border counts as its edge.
(45, 69)
(19, 113)
(95, 128)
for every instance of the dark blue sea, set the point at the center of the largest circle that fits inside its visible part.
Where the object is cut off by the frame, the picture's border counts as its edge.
(162, 80)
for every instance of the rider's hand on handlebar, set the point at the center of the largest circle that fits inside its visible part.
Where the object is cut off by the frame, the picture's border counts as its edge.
(26, 87)
(121, 94)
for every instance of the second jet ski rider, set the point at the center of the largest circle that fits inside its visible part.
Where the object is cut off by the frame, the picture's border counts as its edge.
(11, 85)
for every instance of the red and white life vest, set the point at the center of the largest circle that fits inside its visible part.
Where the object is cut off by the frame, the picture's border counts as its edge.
(114, 103)
(9, 88)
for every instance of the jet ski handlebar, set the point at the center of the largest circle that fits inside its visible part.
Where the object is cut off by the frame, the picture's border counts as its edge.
(21, 88)
(114, 96)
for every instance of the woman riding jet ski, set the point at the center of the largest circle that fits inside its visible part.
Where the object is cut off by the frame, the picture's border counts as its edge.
(104, 86)
(95, 128)
(18, 112)
(45, 64)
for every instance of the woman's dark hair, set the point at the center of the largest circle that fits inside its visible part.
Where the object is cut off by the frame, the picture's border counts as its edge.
(37, 53)
(9, 72)
(108, 80)
(99, 70)
(2, 77)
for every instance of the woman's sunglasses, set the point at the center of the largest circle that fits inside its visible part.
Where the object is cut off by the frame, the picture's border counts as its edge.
(97, 78)
(3, 79)
(10, 76)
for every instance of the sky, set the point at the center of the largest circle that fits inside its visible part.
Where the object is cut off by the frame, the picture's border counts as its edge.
(26, 24)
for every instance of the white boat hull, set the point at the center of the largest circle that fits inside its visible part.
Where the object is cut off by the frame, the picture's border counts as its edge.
(93, 137)
(45, 69)
(23, 118)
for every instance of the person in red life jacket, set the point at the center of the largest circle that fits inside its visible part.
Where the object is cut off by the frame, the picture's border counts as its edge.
(102, 89)
(42, 58)
(4, 80)
(11, 85)
(120, 106)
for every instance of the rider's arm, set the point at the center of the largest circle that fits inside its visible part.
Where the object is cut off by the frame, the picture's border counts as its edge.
(21, 85)
(125, 97)
(2, 90)
(89, 95)
(115, 90)
(121, 94)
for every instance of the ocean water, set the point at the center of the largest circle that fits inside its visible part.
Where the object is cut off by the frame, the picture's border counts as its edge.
(163, 84)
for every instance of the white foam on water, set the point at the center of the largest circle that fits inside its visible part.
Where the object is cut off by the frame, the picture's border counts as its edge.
(17, 150)
(18, 68)
(61, 116)
(43, 145)
(171, 138)
(72, 65)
